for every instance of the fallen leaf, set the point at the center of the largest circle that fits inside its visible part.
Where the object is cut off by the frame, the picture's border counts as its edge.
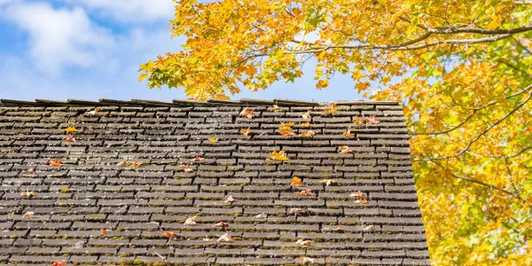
(372, 120)
(93, 112)
(367, 227)
(306, 116)
(69, 139)
(213, 139)
(360, 197)
(278, 156)
(246, 132)
(28, 194)
(285, 129)
(169, 234)
(225, 238)
(276, 108)
(28, 215)
(104, 231)
(347, 133)
(135, 164)
(261, 216)
(64, 189)
(229, 199)
(247, 112)
(221, 224)
(308, 133)
(55, 163)
(185, 168)
(327, 182)
(198, 158)
(296, 211)
(122, 163)
(304, 260)
(359, 121)
(304, 243)
(59, 263)
(29, 172)
(344, 149)
(307, 192)
(330, 109)
(296, 181)
(71, 130)
(190, 220)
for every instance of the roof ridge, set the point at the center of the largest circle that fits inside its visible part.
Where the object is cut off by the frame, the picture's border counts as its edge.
(178, 103)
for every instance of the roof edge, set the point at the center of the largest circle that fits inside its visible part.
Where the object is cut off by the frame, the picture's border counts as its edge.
(179, 103)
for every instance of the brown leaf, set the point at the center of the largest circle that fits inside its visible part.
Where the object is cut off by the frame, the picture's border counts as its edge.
(59, 263)
(55, 163)
(28, 194)
(304, 243)
(296, 181)
(304, 260)
(308, 133)
(190, 220)
(344, 150)
(347, 133)
(327, 182)
(360, 197)
(229, 199)
(307, 192)
(372, 120)
(247, 112)
(104, 231)
(198, 158)
(69, 139)
(246, 132)
(305, 124)
(222, 224)
(169, 234)
(185, 168)
(28, 215)
(135, 164)
(225, 238)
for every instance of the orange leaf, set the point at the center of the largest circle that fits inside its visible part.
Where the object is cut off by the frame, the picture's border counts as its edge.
(362, 86)
(169, 234)
(104, 232)
(55, 163)
(70, 130)
(296, 181)
(360, 197)
(307, 192)
(347, 133)
(247, 112)
(59, 263)
(285, 129)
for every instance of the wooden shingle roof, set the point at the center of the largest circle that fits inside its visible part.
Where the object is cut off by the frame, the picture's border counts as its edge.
(181, 183)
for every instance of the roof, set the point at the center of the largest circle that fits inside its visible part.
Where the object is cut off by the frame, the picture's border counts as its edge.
(184, 182)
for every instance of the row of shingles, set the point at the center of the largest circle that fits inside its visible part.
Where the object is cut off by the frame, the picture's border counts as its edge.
(31, 141)
(338, 120)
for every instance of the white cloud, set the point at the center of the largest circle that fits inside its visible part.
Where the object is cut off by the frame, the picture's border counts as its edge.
(131, 10)
(59, 37)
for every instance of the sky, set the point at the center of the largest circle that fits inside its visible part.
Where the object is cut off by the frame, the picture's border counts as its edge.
(92, 49)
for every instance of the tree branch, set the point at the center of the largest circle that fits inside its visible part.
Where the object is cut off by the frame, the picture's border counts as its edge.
(482, 133)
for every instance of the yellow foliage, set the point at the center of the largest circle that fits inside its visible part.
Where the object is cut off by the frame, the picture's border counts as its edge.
(461, 69)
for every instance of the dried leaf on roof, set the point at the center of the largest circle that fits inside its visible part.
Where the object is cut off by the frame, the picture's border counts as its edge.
(296, 181)
(191, 220)
(169, 234)
(71, 130)
(247, 112)
(226, 237)
(285, 129)
(278, 156)
(246, 132)
(304, 242)
(307, 192)
(304, 260)
(330, 109)
(55, 163)
(360, 197)
(213, 139)
(308, 133)
(344, 149)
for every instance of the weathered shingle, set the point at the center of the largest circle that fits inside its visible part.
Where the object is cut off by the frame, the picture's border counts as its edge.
(138, 170)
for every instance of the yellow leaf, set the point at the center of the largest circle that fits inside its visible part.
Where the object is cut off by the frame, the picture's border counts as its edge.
(278, 156)
(213, 139)
(330, 109)
(308, 133)
(344, 149)
(70, 130)
(362, 86)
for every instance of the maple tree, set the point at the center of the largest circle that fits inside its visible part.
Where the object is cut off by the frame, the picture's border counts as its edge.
(458, 67)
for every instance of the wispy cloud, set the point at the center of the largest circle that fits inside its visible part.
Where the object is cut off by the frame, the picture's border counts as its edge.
(136, 11)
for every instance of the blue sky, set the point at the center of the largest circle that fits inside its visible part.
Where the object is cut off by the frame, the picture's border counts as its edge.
(91, 49)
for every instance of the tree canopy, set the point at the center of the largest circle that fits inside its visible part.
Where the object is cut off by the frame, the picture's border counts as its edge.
(461, 69)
